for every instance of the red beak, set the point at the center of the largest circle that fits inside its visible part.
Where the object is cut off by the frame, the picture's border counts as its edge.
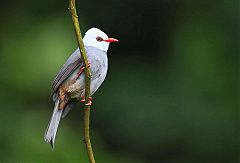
(111, 40)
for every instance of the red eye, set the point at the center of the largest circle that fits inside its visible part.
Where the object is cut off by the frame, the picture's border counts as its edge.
(99, 38)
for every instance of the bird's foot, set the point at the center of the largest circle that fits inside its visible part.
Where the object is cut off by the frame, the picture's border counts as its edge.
(81, 70)
(89, 101)
(89, 64)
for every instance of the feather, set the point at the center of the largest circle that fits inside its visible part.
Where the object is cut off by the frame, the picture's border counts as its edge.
(99, 64)
(51, 131)
(63, 75)
(71, 64)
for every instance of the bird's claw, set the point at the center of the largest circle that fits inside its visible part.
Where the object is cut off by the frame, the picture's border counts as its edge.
(89, 64)
(82, 99)
(81, 70)
(83, 67)
(89, 101)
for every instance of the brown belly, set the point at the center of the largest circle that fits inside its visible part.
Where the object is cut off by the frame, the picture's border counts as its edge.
(67, 91)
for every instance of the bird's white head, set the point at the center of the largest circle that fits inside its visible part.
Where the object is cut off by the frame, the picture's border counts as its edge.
(97, 38)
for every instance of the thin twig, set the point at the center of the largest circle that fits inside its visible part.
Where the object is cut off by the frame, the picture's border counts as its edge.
(88, 76)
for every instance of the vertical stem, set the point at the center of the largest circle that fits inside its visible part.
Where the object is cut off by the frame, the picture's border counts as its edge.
(87, 141)
(86, 116)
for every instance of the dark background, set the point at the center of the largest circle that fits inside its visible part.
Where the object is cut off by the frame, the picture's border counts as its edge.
(170, 94)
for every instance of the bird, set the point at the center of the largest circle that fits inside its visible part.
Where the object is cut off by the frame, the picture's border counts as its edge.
(68, 87)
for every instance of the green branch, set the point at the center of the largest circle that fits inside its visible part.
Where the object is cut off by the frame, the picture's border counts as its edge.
(88, 77)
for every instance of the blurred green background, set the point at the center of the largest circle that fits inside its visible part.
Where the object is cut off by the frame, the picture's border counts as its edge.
(170, 94)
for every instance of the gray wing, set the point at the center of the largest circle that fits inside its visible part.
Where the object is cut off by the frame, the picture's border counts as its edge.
(73, 62)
